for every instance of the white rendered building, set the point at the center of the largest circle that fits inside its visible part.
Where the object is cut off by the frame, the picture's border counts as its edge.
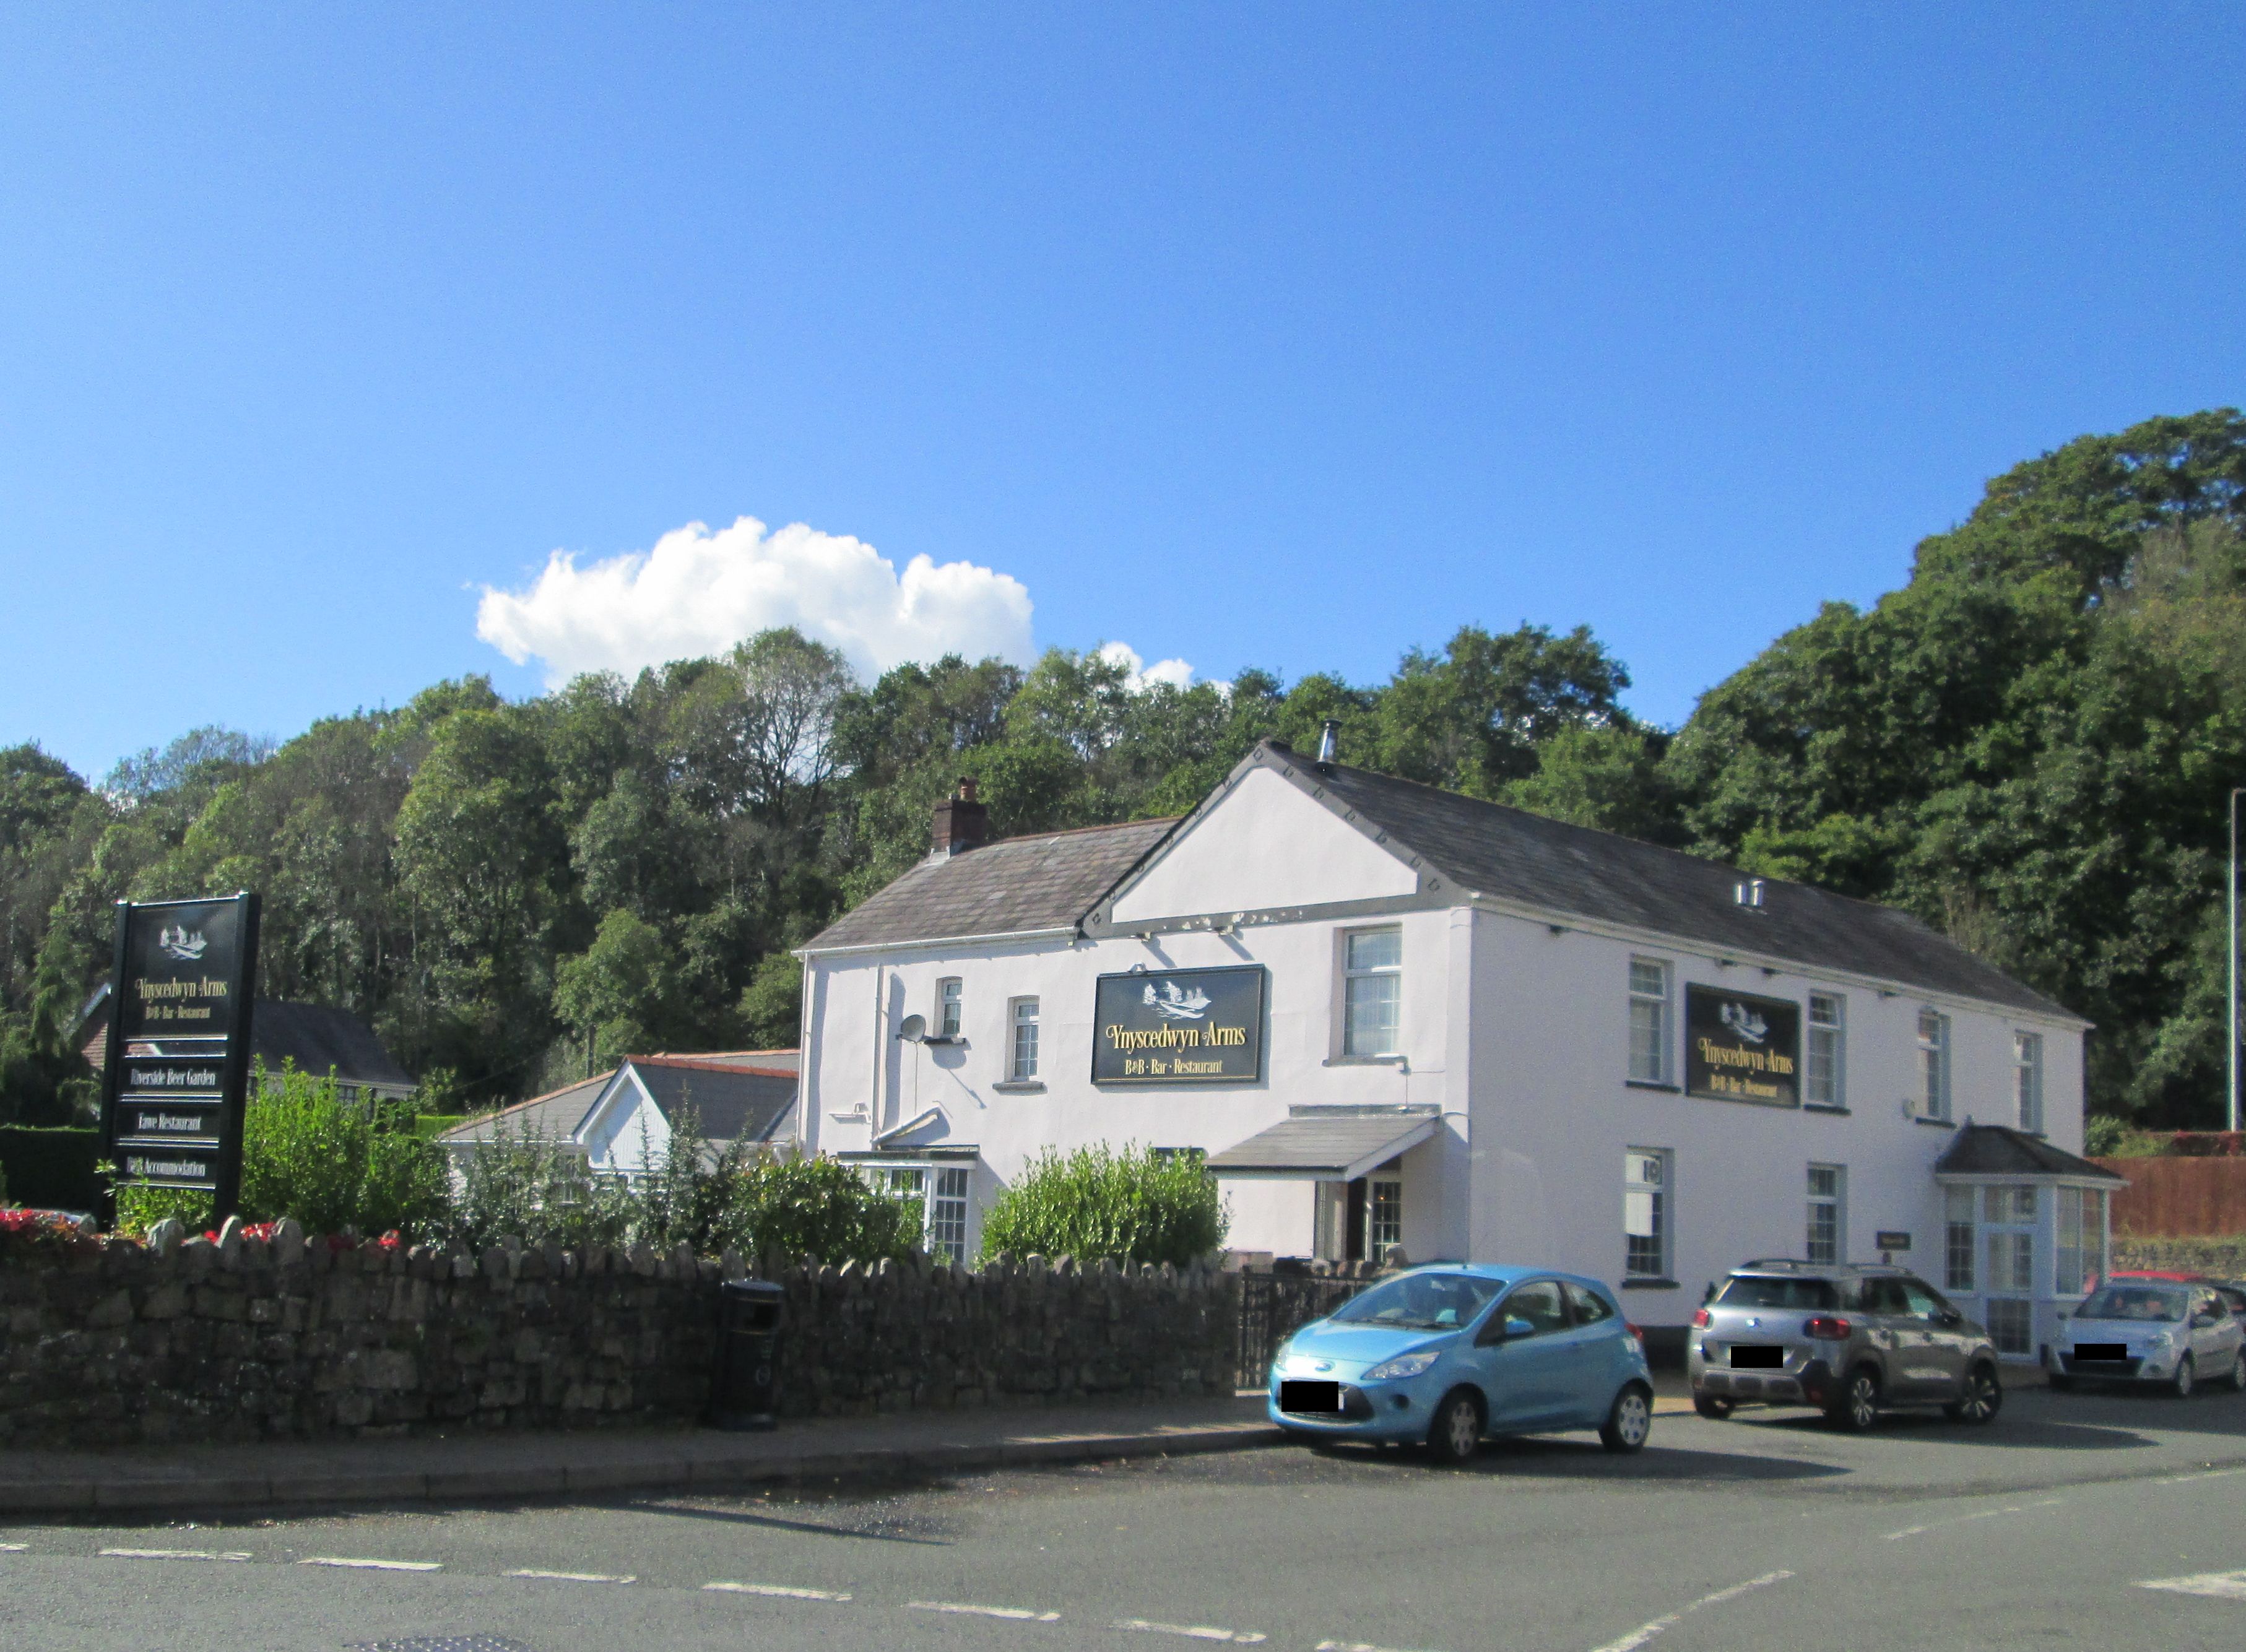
(1394, 1015)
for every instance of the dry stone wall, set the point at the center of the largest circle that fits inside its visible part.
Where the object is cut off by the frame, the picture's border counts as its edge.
(115, 1342)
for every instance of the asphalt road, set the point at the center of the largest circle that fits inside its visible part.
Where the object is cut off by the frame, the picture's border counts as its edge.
(1767, 1531)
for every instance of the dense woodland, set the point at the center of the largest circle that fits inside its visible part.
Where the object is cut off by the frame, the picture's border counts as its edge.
(2030, 745)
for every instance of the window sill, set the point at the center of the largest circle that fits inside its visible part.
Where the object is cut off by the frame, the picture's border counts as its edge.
(1020, 1087)
(1648, 1084)
(1939, 1123)
(1651, 1284)
(1363, 1061)
(1824, 1106)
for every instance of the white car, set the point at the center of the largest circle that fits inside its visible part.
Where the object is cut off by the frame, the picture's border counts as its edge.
(2151, 1331)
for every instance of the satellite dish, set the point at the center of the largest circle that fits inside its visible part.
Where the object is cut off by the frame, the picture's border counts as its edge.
(913, 1029)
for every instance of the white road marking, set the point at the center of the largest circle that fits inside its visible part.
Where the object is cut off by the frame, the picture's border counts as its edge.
(373, 1566)
(1017, 1614)
(1353, 1646)
(2222, 1586)
(13, 1548)
(780, 1590)
(176, 1555)
(1985, 1514)
(1191, 1631)
(577, 1577)
(1644, 1632)
(2186, 1480)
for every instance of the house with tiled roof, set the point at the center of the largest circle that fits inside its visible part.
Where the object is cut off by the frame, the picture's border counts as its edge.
(622, 1120)
(1397, 1019)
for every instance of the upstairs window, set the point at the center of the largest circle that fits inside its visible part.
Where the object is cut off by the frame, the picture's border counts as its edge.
(949, 1000)
(1372, 992)
(1649, 1021)
(1024, 1062)
(2027, 1080)
(1934, 1063)
(1825, 1083)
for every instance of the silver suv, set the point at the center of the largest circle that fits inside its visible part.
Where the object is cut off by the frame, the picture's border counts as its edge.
(1854, 1340)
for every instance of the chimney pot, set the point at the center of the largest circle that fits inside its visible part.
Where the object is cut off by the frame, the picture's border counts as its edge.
(1330, 741)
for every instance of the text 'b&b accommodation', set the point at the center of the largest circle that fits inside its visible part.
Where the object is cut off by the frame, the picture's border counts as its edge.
(1391, 1015)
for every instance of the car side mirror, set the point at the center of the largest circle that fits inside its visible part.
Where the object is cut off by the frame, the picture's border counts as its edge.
(1515, 1328)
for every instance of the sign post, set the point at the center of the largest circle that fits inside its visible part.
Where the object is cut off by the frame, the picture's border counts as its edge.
(177, 1076)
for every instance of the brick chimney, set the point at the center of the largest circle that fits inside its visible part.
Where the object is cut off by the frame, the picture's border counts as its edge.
(961, 822)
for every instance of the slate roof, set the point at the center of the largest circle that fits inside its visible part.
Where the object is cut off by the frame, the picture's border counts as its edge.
(1332, 1142)
(552, 1117)
(1992, 1150)
(1048, 881)
(730, 1102)
(1514, 855)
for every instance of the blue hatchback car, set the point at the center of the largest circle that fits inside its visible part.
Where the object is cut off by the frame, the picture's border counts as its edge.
(1451, 1352)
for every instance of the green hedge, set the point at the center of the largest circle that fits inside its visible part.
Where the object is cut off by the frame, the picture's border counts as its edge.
(52, 1166)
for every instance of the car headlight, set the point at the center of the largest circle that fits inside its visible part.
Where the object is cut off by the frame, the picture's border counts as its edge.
(1403, 1365)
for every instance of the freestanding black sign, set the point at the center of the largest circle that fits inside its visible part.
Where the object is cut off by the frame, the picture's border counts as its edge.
(1742, 1048)
(1179, 1027)
(178, 1069)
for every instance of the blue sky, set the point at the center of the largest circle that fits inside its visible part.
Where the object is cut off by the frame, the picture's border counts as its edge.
(1290, 336)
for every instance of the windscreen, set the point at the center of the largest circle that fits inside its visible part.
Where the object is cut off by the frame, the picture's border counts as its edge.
(2155, 1304)
(1758, 1290)
(1420, 1301)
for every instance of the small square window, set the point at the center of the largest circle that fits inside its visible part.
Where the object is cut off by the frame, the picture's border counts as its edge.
(949, 1001)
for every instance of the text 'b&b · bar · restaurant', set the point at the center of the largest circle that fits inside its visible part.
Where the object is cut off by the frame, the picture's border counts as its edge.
(1393, 1017)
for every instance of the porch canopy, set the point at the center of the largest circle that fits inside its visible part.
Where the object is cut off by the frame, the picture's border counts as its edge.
(1328, 1144)
(1994, 1153)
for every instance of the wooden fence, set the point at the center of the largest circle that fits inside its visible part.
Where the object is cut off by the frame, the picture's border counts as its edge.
(2178, 1198)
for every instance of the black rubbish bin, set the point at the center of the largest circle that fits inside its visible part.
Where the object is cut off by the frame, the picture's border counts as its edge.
(745, 1386)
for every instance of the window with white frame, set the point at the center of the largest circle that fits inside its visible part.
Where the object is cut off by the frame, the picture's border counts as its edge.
(1646, 1213)
(1372, 992)
(1827, 1238)
(1934, 1063)
(936, 1194)
(1383, 1216)
(2008, 1216)
(1825, 1081)
(949, 1002)
(2081, 1239)
(2027, 1081)
(1649, 1021)
(1957, 1238)
(1023, 1063)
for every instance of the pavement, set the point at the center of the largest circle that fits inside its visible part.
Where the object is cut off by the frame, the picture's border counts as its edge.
(471, 1466)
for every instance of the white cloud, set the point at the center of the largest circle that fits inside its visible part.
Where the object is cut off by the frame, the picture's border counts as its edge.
(700, 592)
(1176, 673)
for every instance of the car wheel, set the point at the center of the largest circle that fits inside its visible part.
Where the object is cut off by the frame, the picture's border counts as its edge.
(1712, 1407)
(2182, 1381)
(1454, 1435)
(1983, 1398)
(2061, 1383)
(1856, 1407)
(2238, 1373)
(1629, 1421)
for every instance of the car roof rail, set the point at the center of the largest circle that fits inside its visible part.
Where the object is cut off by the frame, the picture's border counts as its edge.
(1777, 1261)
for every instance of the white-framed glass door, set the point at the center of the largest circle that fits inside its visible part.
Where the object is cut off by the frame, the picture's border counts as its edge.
(2008, 1250)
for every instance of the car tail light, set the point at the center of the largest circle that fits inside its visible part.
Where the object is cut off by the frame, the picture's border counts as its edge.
(1638, 1331)
(1829, 1328)
(1699, 1319)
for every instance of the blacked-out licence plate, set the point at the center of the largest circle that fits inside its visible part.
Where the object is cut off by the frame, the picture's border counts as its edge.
(1751, 1358)
(1310, 1398)
(2101, 1350)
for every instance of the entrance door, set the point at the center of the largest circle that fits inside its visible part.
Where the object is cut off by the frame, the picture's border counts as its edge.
(2008, 1228)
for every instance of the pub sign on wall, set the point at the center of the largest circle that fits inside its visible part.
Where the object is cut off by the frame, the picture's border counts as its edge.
(178, 1066)
(1179, 1027)
(1738, 1047)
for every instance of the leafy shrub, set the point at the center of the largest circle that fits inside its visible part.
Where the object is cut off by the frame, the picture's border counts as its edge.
(522, 1184)
(139, 1209)
(334, 1164)
(2106, 1137)
(1132, 1204)
(817, 1206)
